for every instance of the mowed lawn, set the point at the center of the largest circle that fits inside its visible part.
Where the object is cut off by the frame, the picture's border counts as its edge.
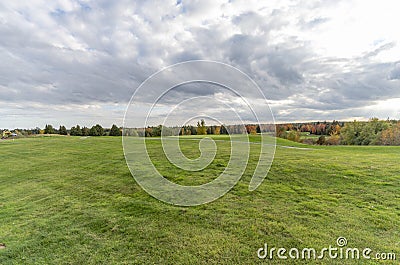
(72, 200)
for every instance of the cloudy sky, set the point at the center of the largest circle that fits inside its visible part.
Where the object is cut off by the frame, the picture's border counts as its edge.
(68, 62)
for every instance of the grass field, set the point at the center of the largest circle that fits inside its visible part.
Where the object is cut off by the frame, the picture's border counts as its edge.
(67, 200)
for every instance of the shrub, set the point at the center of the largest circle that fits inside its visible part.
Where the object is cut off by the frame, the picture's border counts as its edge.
(390, 136)
(334, 139)
(321, 140)
(308, 141)
(293, 136)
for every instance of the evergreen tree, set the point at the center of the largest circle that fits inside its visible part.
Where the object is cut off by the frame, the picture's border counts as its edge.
(85, 131)
(76, 131)
(72, 131)
(201, 127)
(62, 130)
(156, 131)
(48, 129)
(93, 131)
(223, 130)
(193, 130)
(115, 131)
(100, 130)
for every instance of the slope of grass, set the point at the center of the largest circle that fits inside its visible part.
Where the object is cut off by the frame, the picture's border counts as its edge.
(67, 200)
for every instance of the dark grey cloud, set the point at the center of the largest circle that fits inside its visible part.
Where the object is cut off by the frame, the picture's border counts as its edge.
(284, 65)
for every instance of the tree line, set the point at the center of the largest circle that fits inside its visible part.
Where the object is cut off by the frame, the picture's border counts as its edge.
(200, 129)
(371, 132)
(316, 128)
(96, 130)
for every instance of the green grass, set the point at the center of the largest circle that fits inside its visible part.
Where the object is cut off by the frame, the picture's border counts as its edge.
(66, 200)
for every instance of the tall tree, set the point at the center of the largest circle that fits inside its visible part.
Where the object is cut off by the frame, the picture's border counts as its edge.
(48, 129)
(62, 130)
(85, 131)
(201, 127)
(72, 131)
(76, 131)
(115, 131)
(251, 129)
(193, 130)
(148, 132)
(223, 130)
(93, 131)
(99, 129)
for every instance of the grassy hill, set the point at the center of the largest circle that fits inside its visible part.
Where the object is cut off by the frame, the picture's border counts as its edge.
(72, 200)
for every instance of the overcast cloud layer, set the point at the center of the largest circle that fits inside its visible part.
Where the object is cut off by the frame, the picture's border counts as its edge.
(68, 62)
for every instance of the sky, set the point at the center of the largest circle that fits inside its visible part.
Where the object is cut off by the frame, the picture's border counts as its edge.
(68, 62)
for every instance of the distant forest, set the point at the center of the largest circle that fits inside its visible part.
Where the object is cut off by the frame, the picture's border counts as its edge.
(96, 130)
(372, 132)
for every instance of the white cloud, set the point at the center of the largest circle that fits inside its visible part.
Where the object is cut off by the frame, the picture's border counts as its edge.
(334, 57)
